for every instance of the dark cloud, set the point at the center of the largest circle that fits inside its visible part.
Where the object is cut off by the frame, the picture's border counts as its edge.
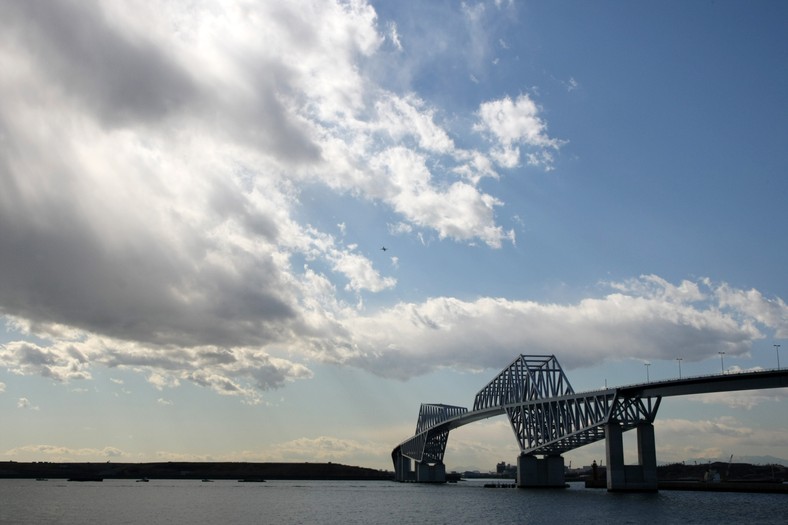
(73, 258)
(124, 78)
(99, 248)
(263, 121)
(148, 293)
(102, 237)
(121, 78)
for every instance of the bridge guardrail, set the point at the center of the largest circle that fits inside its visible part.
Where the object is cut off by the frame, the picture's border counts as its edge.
(682, 378)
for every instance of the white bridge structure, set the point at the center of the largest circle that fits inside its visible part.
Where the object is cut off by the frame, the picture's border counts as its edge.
(548, 419)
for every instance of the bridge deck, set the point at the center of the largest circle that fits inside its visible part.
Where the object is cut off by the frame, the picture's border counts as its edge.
(729, 382)
(657, 389)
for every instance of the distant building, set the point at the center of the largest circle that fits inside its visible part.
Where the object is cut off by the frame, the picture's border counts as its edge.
(505, 470)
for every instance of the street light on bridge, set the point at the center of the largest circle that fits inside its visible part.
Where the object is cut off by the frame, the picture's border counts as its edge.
(777, 349)
(679, 359)
(722, 362)
(647, 378)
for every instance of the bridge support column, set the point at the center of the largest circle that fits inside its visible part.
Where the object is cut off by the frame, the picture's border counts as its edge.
(533, 472)
(640, 477)
(426, 473)
(647, 454)
(614, 452)
(402, 468)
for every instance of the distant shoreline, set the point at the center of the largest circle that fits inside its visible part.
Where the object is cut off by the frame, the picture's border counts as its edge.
(190, 470)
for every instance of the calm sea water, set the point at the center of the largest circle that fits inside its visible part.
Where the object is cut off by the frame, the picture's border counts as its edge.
(383, 502)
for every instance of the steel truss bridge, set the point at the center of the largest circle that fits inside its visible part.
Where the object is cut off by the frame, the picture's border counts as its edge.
(549, 418)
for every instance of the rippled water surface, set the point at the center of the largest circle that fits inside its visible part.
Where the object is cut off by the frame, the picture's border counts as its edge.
(290, 502)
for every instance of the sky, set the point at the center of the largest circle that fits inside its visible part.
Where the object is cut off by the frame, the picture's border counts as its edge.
(196, 194)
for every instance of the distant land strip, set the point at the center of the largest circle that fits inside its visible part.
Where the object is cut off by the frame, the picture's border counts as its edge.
(191, 470)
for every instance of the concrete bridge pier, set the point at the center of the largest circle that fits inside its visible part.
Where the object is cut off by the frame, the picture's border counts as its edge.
(430, 473)
(546, 472)
(641, 477)
(402, 468)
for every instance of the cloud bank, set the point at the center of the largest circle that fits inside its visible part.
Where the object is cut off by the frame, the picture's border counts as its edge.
(646, 318)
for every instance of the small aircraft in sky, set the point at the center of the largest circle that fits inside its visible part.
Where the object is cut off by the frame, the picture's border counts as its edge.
(384, 248)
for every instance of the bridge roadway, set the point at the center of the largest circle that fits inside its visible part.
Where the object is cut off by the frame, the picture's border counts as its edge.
(728, 382)
(550, 426)
(707, 384)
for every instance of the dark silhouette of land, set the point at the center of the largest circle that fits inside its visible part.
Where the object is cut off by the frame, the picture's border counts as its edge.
(190, 470)
(717, 476)
(727, 472)
(740, 477)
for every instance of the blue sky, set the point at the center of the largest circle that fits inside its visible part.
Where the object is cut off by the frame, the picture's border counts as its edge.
(195, 197)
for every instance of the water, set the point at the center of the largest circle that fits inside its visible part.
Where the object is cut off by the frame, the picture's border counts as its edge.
(370, 502)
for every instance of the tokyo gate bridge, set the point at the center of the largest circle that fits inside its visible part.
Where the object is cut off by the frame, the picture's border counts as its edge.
(549, 418)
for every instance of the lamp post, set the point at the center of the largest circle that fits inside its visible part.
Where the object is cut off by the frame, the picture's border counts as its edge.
(722, 362)
(777, 349)
(679, 359)
(647, 378)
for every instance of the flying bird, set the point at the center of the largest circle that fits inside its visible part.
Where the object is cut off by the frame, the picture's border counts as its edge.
(384, 248)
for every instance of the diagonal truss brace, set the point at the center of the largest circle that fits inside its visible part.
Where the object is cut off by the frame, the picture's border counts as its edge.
(554, 426)
(429, 443)
(528, 377)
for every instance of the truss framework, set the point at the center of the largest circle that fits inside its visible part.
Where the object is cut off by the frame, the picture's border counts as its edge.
(554, 426)
(429, 443)
(431, 414)
(546, 415)
(526, 378)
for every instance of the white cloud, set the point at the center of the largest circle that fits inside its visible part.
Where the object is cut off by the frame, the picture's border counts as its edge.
(323, 448)
(644, 319)
(243, 372)
(394, 36)
(165, 455)
(655, 287)
(747, 399)
(681, 439)
(63, 454)
(479, 41)
(24, 403)
(310, 449)
(146, 207)
(179, 151)
(61, 363)
(409, 118)
(360, 272)
(770, 312)
(512, 123)
(2, 387)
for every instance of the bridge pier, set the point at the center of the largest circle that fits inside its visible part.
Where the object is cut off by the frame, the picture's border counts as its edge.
(402, 467)
(640, 477)
(423, 471)
(547, 472)
(426, 473)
